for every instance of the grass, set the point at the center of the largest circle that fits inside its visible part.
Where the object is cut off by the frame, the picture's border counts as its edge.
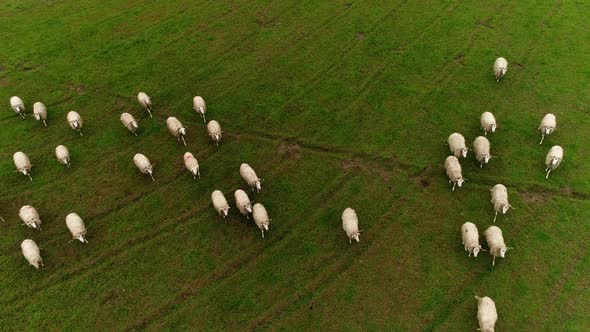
(335, 104)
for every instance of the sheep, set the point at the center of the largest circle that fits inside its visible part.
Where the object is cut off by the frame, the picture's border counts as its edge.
(547, 126)
(130, 123)
(32, 253)
(18, 106)
(261, 217)
(243, 203)
(470, 238)
(481, 147)
(214, 130)
(176, 128)
(488, 123)
(144, 165)
(495, 242)
(75, 121)
(63, 155)
(500, 68)
(145, 101)
(350, 224)
(220, 203)
(22, 163)
(486, 314)
(76, 226)
(457, 146)
(199, 106)
(40, 112)
(250, 177)
(453, 169)
(191, 163)
(553, 159)
(500, 199)
(30, 217)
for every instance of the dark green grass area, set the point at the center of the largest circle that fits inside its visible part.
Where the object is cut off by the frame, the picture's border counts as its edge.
(334, 104)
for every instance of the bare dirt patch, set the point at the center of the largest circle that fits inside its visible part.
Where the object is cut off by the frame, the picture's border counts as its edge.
(485, 22)
(535, 197)
(348, 5)
(289, 149)
(460, 58)
(357, 165)
(423, 178)
(360, 35)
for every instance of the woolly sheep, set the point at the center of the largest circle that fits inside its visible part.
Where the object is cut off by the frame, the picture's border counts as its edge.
(481, 147)
(176, 128)
(249, 175)
(63, 155)
(199, 106)
(75, 121)
(547, 126)
(500, 68)
(130, 123)
(76, 226)
(488, 123)
(145, 101)
(214, 130)
(243, 203)
(500, 199)
(495, 242)
(40, 112)
(22, 163)
(553, 159)
(18, 106)
(486, 314)
(30, 217)
(32, 253)
(470, 238)
(220, 203)
(191, 164)
(457, 146)
(144, 165)
(261, 217)
(453, 169)
(350, 224)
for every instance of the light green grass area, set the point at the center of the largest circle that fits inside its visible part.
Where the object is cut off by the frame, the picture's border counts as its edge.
(334, 104)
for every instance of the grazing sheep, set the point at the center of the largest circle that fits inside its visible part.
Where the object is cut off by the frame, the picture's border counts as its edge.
(75, 121)
(22, 163)
(350, 224)
(495, 242)
(486, 314)
(488, 123)
(176, 128)
(130, 123)
(243, 203)
(457, 146)
(553, 159)
(453, 169)
(500, 199)
(261, 217)
(76, 226)
(470, 238)
(220, 203)
(30, 217)
(40, 112)
(250, 177)
(548, 125)
(63, 155)
(32, 253)
(144, 165)
(481, 146)
(500, 68)
(199, 106)
(191, 163)
(145, 101)
(214, 130)
(18, 106)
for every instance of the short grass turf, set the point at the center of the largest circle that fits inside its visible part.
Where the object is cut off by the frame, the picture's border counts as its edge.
(335, 104)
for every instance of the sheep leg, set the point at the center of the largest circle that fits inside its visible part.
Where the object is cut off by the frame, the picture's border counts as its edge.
(44, 123)
(454, 183)
(495, 216)
(183, 141)
(262, 231)
(494, 261)
(542, 138)
(29, 175)
(150, 112)
(22, 114)
(549, 171)
(152, 178)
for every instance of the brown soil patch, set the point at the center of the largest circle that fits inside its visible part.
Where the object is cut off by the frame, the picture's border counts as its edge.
(360, 35)
(289, 149)
(357, 165)
(535, 197)
(460, 58)
(348, 5)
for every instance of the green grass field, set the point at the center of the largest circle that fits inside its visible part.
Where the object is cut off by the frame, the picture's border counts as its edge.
(334, 104)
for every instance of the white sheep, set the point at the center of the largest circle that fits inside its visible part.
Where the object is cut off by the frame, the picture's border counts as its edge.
(261, 217)
(500, 68)
(76, 226)
(350, 224)
(75, 121)
(243, 203)
(145, 101)
(130, 123)
(30, 217)
(495, 242)
(470, 238)
(457, 146)
(488, 123)
(40, 112)
(481, 147)
(63, 155)
(176, 128)
(144, 165)
(32, 253)
(214, 130)
(453, 169)
(199, 106)
(547, 126)
(220, 203)
(22, 163)
(500, 199)
(486, 314)
(249, 175)
(191, 164)
(18, 106)
(553, 159)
